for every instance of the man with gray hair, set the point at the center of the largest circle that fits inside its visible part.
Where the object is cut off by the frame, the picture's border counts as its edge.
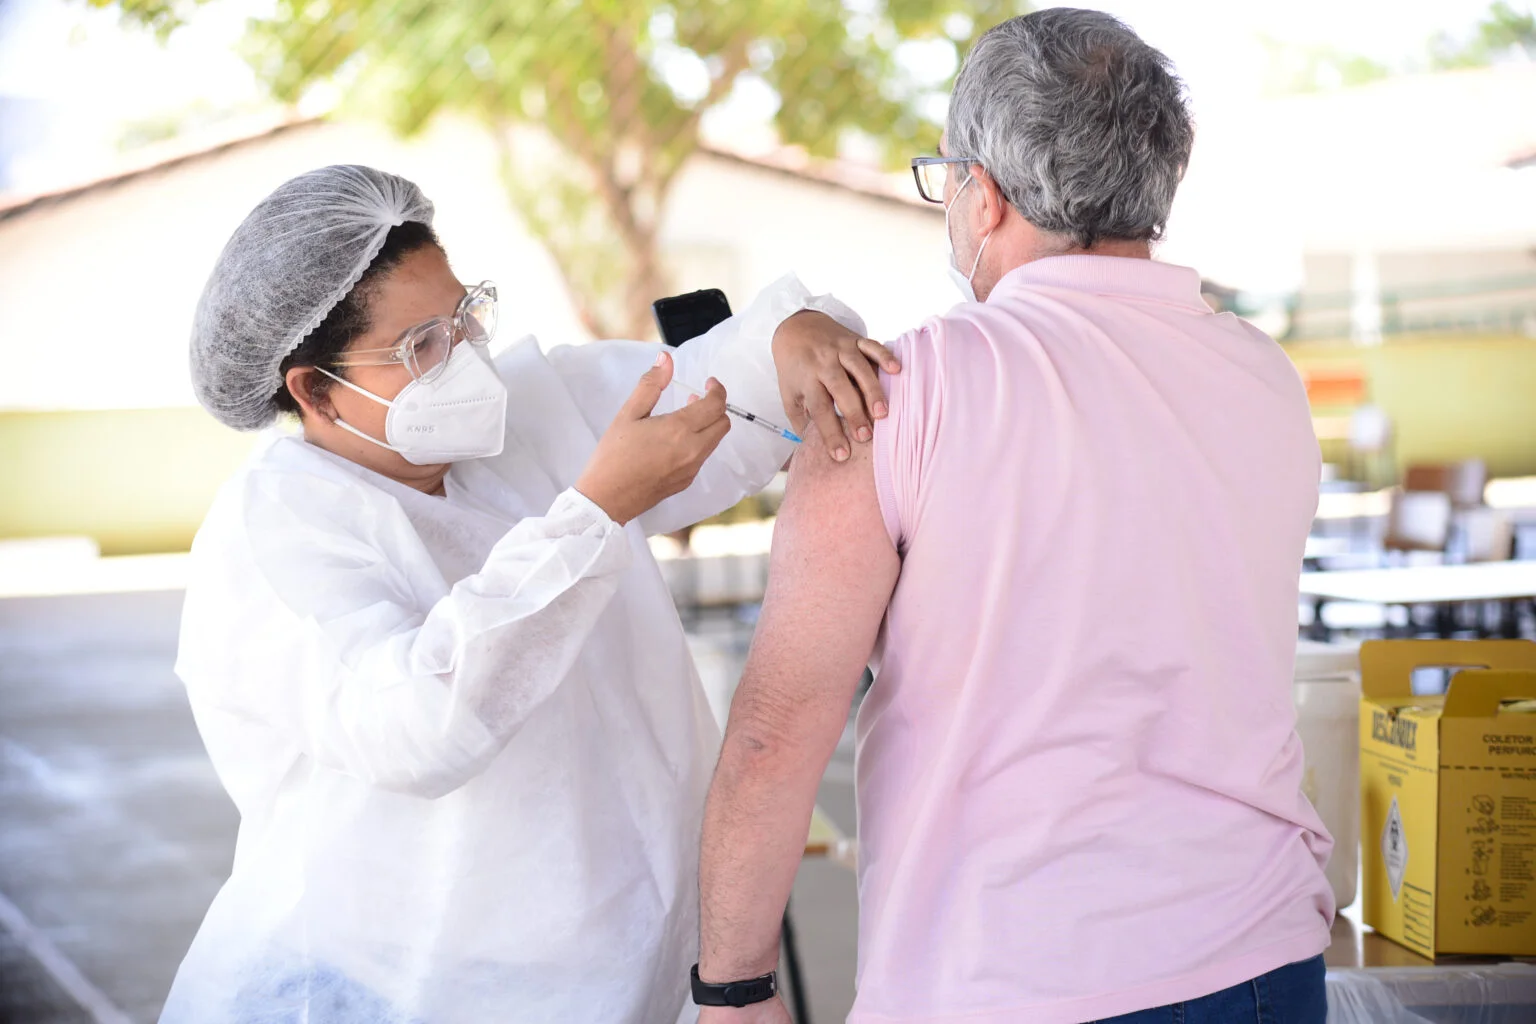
(1072, 553)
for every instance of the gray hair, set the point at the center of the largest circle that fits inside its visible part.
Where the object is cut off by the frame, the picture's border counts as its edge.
(1083, 126)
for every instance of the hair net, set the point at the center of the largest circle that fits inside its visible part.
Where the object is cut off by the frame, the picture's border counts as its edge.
(285, 268)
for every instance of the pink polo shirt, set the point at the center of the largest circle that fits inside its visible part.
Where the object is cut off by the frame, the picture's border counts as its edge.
(1079, 779)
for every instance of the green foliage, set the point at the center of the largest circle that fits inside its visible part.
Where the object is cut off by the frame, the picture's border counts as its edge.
(1294, 69)
(1503, 32)
(620, 87)
(163, 16)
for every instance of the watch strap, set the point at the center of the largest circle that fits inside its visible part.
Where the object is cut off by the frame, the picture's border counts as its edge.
(734, 993)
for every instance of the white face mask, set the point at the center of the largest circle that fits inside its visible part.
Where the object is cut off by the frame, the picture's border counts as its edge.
(461, 414)
(963, 281)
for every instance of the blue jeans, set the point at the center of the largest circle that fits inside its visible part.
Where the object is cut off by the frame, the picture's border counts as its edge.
(1294, 994)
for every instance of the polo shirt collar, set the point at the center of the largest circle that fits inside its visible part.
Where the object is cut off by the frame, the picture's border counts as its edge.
(1121, 276)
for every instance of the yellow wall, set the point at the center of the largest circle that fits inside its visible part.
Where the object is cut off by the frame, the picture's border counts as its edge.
(137, 480)
(1449, 398)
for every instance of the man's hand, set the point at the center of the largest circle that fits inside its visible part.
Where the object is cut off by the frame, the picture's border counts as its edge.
(824, 368)
(770, 1011)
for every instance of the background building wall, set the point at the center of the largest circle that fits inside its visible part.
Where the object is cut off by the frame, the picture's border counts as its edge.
(1449, 397)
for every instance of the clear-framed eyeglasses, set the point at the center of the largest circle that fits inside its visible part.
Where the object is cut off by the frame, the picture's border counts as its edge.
(424, 348)
(930, 173)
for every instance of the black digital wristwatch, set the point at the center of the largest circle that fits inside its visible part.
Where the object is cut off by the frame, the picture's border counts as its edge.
(735, 993)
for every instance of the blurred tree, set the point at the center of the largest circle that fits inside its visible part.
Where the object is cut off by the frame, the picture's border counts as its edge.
(619, 87)
(1293, 68)
(1504, 31)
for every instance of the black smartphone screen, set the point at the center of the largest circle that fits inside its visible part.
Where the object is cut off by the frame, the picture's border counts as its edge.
(682, 317)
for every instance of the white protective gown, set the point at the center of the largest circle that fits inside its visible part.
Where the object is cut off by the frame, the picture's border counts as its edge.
(465, 736)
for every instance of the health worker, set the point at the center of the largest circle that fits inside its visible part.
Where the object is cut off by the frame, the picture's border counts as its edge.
(425, 641)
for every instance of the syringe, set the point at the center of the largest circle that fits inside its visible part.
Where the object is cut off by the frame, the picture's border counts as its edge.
(736, 410)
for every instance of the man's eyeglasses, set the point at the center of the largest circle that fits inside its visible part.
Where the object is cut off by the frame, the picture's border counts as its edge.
(930, 173)
(424, 348)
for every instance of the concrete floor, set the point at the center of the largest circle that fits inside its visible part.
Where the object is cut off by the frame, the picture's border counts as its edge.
(115, 834)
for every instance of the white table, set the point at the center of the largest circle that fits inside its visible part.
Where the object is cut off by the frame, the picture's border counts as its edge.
(1354, 504)
(1327, 547)
(1425, 584)
(1439, 585)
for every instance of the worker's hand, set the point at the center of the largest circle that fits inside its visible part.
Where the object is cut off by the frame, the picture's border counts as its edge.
(824, 368)
(770, 1011)
(642, 460)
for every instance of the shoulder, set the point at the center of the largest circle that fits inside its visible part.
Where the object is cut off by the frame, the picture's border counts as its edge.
(919, 351)
(290, 467)
(1267, 362)
(292, 499)
(966, 331)
(928, 354)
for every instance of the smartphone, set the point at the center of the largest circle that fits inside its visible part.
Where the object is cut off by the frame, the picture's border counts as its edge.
(682, 317)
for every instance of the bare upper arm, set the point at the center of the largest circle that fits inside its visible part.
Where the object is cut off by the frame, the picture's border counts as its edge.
(832, 572)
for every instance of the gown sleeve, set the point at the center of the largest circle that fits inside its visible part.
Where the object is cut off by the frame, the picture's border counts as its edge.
(377, 676)
(738, 353)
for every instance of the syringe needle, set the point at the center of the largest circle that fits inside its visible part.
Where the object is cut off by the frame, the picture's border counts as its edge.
(750, 417)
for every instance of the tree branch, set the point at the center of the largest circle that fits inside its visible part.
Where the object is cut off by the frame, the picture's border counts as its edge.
(587, 310)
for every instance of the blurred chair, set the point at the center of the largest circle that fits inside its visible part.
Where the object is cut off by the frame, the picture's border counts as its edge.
(1418, 521)
(1427, 477)
(1466, 482)
(1463, 481)
(1370, 445)
(1484, 535)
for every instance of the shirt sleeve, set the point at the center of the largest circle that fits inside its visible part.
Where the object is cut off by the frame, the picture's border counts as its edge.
(737, 352)
(383, 682)
(904, 438)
